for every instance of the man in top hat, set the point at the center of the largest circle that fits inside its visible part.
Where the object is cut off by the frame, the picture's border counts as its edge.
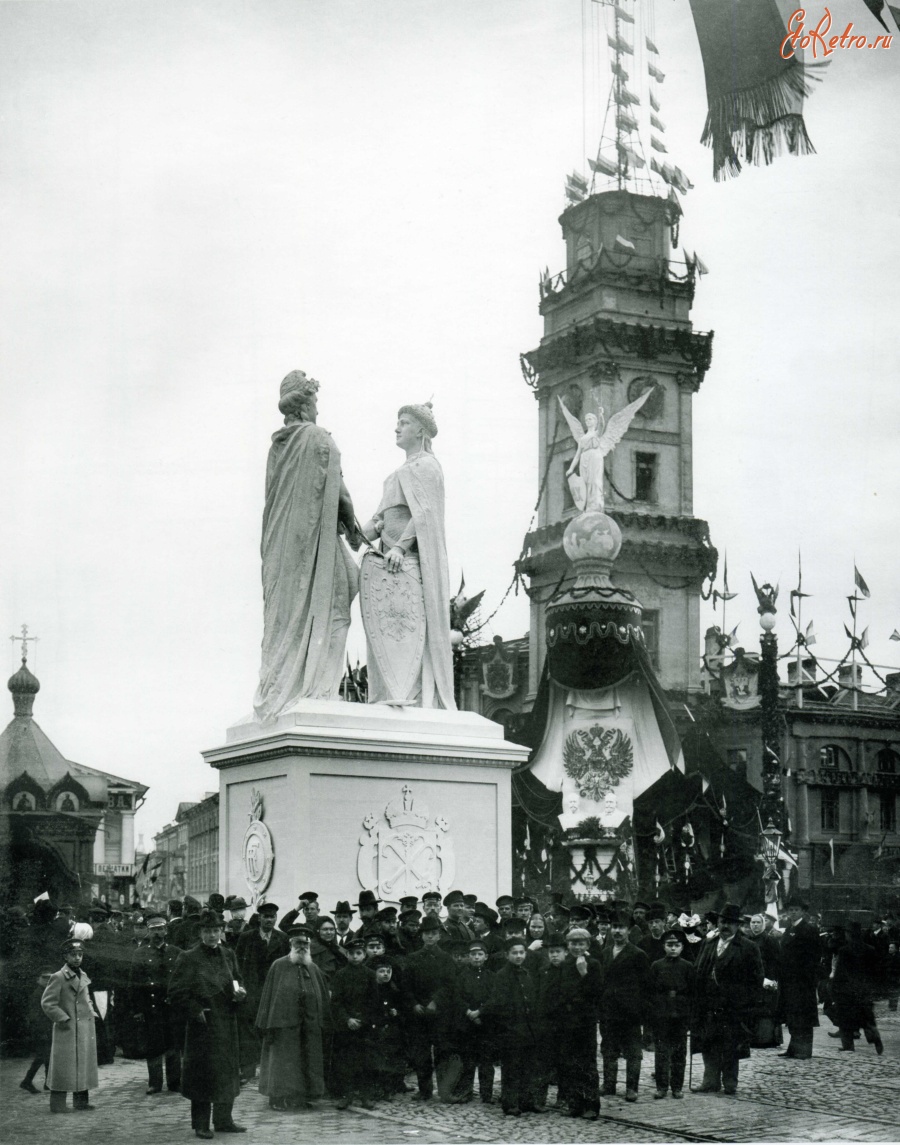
(343, 916)
(236, 908)
(73, 1055)
(624, 1000)
(368, 914)
(429, 980)
(455, 927)
(729, 979)
(257, 949)
(148, 988)
(186, 933)
(205, 987)
(799, 952)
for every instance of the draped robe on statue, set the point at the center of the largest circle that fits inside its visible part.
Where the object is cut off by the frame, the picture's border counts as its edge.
(406, 614)
(309, 578)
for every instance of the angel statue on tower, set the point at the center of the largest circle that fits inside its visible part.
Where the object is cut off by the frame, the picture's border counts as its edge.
(585, 474)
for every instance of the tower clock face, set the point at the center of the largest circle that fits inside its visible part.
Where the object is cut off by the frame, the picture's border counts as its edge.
(654, 405)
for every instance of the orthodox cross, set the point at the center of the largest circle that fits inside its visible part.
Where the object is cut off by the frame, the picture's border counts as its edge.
(24, 638)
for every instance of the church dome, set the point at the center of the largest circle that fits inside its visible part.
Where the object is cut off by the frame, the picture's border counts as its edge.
(24, 686)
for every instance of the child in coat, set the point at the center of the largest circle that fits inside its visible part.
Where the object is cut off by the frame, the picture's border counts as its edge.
(672, 980)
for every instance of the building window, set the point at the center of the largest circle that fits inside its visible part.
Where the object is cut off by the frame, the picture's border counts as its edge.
(888, 811)
(650, 629)
(645, 466)
(831, 802)
(832, 756)
(886, 762)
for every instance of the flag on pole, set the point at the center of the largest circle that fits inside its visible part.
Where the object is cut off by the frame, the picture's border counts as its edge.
(654, 102)
(755, 95)
(700, 264)
(658, 145)
(651, 47)
(864, 639)
(656, 122)
(860, 583)
(704, 785)
(895, 635)
(659, 835)
(603, 166)
(879, 850)
(624, 244)
(809, 636)
(831, 855)
(656, 73)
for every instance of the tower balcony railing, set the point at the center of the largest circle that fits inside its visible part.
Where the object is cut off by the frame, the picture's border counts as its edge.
(648, 271)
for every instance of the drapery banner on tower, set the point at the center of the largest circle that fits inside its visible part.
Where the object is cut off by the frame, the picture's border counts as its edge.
(755, 96)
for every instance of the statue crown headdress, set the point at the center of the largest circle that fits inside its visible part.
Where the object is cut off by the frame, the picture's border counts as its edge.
(423, 414)
(297, 382)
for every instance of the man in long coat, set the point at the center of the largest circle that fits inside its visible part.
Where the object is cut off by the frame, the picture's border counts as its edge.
(73, 1057)
(624, 1006)
(293, 1014)
(729, 978)
(148, 987)
(205, 986)
(257, 948)
(800, 953)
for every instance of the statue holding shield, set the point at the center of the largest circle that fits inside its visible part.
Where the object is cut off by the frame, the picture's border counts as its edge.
(404, 579)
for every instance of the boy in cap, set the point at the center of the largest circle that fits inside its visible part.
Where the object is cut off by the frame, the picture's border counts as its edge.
(473, 989)
(580, 983)
(73, 1053)
(410, 940)
(353, 1011)
(672, 980)
(429, 980)
(388, 1045)
(512, 1009)
(506, 906)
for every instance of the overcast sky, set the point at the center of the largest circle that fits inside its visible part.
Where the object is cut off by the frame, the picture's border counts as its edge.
(197, 197)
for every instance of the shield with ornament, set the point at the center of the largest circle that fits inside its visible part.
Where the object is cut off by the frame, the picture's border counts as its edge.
(393, 612)
(405, 850)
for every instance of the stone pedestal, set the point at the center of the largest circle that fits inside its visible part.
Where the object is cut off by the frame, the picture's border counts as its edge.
(337, 797)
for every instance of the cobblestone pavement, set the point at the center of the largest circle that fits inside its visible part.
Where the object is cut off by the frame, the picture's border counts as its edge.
(835, 1096)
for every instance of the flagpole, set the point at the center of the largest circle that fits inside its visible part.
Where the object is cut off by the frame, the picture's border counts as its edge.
(799, 644)
(854, 702)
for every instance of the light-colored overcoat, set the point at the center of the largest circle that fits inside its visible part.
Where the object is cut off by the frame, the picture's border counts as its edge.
(73, 1058)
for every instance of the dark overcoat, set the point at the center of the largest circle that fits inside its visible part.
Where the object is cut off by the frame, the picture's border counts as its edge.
(201, 987)
(512, 1008)
(148, 992)
(625, 992)
(800, 952)
(293, 1014)
(726, 994)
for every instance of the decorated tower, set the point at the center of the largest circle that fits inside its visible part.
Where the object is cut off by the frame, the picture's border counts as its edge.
(617, 324)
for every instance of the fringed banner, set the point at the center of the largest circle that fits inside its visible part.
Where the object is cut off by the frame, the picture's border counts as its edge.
(755, 96)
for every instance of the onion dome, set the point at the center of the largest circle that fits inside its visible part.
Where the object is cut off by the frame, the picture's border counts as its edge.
(24, 686)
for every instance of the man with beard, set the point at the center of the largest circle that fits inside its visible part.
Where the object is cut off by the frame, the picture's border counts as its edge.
(148, 986)
(729, 978)
(257, 949)
(292, 1018)
(800, 952)
(205, 986)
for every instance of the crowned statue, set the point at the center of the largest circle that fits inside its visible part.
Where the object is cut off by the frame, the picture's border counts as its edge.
(595, 440)
(309, 577)
(404, 578)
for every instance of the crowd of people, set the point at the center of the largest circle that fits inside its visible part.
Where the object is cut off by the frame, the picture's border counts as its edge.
(353, 1003)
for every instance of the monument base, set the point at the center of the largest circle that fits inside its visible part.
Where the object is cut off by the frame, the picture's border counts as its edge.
(337, 797)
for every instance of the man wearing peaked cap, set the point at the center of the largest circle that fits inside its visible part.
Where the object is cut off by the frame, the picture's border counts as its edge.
(148, 985)
(73, 1055)
(623, 1006)
(506, 906)
(409, 902)
(257, 949)
(728, 982)
(431, 902)
(455, 928)
(409, 931)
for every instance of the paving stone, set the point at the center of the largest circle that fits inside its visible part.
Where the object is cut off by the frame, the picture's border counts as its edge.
(832, 1097)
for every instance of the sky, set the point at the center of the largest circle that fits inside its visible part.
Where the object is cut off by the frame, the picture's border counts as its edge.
(197, 197)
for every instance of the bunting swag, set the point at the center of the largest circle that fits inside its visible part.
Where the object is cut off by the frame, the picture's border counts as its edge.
(755, 96)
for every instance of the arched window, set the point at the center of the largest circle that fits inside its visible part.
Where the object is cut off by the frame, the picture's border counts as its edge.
(66, 801)
(24, 801)
(887, 762)
(834, 757)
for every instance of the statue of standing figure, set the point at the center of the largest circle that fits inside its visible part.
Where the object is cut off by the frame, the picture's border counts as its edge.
(404, 581)
(309, 578)
(595, 440)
